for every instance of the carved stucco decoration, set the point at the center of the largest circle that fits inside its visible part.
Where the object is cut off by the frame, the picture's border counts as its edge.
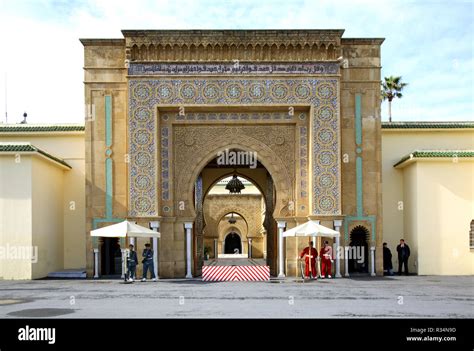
(248, 45)
(209, 140)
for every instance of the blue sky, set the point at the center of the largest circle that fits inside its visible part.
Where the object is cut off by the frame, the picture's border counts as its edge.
(429, 43)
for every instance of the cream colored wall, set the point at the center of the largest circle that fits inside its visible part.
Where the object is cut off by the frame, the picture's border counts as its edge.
(47, 216)
(15, 214)
(400, 187)
(445, 211)
(410, 230)
(71, 148)
(74, 206)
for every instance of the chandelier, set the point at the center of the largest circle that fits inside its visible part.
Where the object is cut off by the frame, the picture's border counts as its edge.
(232, 219)
(234, 185)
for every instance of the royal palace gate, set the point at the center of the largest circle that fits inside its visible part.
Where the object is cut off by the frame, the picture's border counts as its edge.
(162, 104)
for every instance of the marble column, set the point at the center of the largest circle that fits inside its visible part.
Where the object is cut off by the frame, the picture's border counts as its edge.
(155, 226)
(281, 252)
(216, 249)
(96, 263)
(189, 227)
(250, 248)
(337, 227)
(346, 261)
(372, 261)
(124, 262)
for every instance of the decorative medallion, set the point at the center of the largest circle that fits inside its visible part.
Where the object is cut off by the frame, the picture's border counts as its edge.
(326, 180)
(143, 182)
(325, 91)
(279, 91)
(234, 91)
(188, 91)
(142, 204)
(165, 92)
(257, 91)
(326, 158)
(189, 140)
(142, 136)
(325, 135)
(142, 92)
(326, 113)
(211, 91)
(142, 114)
(326, 203)
(142, 159)
(279, 140)
(302, 91)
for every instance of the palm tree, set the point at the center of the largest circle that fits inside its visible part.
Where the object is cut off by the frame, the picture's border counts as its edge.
(391, 89)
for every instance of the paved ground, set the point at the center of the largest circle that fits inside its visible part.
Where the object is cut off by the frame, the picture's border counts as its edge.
(405, 297)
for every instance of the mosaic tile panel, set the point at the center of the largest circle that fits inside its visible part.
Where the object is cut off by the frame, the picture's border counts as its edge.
(147, 94)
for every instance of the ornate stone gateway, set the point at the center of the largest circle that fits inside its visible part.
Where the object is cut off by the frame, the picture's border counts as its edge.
(179, 98)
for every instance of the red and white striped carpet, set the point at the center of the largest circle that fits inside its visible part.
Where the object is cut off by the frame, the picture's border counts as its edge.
(235, 273)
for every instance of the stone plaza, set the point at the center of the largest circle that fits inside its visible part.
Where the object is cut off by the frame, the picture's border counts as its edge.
(362, 297)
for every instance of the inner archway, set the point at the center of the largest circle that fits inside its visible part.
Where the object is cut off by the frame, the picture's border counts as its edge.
(232, 244)
(229, 222)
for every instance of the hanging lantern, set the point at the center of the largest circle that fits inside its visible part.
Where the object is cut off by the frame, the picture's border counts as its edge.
(232, 219)
(234, 185)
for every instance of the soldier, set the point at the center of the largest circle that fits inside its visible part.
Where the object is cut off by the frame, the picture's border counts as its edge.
(148, 263)
(310, 253)
(326, 260)
(132, 262)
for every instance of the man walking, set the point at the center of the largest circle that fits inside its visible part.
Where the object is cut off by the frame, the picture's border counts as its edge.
(403, 254)
(148, 263)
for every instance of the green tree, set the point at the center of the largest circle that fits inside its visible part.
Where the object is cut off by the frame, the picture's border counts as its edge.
(391, 88)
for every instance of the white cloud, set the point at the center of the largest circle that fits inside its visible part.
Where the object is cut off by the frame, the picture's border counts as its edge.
(429, 43)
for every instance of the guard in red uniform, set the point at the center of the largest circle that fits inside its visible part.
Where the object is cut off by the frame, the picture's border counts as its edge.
(326, 259)
(306, 254)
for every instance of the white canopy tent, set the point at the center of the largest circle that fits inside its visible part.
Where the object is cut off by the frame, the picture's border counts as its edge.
(313, 229)
(125, 229)
(122, 230)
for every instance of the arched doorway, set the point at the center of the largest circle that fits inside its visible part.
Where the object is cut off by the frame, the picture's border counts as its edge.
(202, 168)
(110, 257)
(359, 250)
(253, 231)
(232, 243)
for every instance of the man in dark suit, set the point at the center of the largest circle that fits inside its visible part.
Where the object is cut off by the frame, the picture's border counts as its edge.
(403, 254)
(387, 260)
